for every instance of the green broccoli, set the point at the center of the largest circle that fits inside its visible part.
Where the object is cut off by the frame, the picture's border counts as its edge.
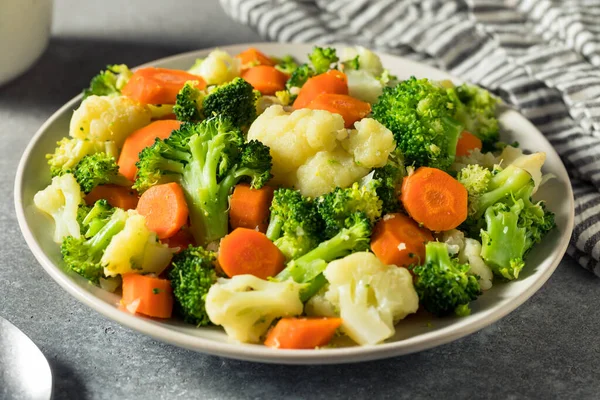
(321, 58)
(98, 169)
(207, 159)
(235, 100)
(353, 63)
(476, 111)
(511, 222)
(70, 151)
(420, 114)
(188, 104)
(299, 77)
(287, 65)
(387, 181)
(295, 225)
(83, 255)
(109, 82)
(354, 236)
(191, 277)
(443, 284)
(335, 207)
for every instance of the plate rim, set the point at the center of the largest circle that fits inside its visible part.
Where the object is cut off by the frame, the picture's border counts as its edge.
(258, 353)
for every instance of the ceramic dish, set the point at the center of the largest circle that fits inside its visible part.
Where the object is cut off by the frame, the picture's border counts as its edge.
(413, 334)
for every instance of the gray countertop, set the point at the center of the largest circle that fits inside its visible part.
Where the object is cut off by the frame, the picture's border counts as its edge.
(548, 348)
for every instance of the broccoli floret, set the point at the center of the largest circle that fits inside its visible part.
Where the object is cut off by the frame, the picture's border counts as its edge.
(98, 169)
(70, 151)
(191, 277)
(353, 63)
(337, 206)
(420, 114)
(287, 65)
(95, 218)
(443, 284)
(295, 225)
(321, 58)
(188, 105)
(512, 223)
(354, 236)
(109, 82)
(387, 181)
(207, 160)
(476, 111)
(299, 77)
(83, 255)
(235, 100)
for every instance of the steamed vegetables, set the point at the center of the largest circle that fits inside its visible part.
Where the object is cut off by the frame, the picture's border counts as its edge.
(291, 203)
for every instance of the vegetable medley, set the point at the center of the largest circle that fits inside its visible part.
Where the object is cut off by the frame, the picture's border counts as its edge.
(291, 203)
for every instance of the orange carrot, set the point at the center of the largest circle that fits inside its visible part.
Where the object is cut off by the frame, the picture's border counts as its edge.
(253, 57)
(182, 239)
(434, 199)
(467, 142)
(139, 140)
(348, 107)
(147, 295)
(117, 196)
(165, 209)
(158, 85)
(398, 240)
(265, 78)
(249, 208)
(246, 251)
(332, 81)
(302, 333)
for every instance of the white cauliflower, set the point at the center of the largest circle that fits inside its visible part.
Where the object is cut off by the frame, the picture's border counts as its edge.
(219, 67)
(309, 148)
(531, 163)
(486, 160)
(363, 85)
(135, 249)
(367, 60)
(245, 306)
(61, 200)
(469, 252)
(108, 118)
(369, 296)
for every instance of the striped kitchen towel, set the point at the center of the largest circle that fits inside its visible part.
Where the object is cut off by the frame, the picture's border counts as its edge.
(541, 56)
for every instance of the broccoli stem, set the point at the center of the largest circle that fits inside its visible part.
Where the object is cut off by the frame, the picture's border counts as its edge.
(274, 228)
(510, 180)
(101, 240)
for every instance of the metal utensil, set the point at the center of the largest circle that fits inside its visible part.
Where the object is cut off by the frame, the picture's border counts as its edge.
(24, 371)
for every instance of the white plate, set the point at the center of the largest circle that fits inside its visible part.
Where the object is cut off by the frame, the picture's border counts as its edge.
(413, 334)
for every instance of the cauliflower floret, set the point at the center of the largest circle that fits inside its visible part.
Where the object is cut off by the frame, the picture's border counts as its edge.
(371, 143)
(135, 249)
(367, 60)
(219, 67)
(246, 305)
(312, 151)
(61, 200)
(531, 163)
(369, 296)
(103, 118)
(326, 171)
(469, 252)
(363, 85)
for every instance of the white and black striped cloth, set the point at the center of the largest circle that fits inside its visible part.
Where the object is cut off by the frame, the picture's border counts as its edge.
(541, 56)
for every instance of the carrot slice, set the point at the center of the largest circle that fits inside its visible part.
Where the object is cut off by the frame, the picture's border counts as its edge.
(249, 208)
(434, 199)
(302, 333)
(467, 142)
(117, 196)
(332, 81)
(165, 209)
(139, 140)
(147, 295)
(158, 85)
(246, 251)
(265, 78)
(253, 57)
(398, 240)
(348, 107)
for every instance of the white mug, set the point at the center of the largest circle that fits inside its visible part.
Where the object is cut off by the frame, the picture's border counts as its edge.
(24, 34)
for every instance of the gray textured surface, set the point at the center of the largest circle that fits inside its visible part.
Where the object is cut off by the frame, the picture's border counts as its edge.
(548, 348)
